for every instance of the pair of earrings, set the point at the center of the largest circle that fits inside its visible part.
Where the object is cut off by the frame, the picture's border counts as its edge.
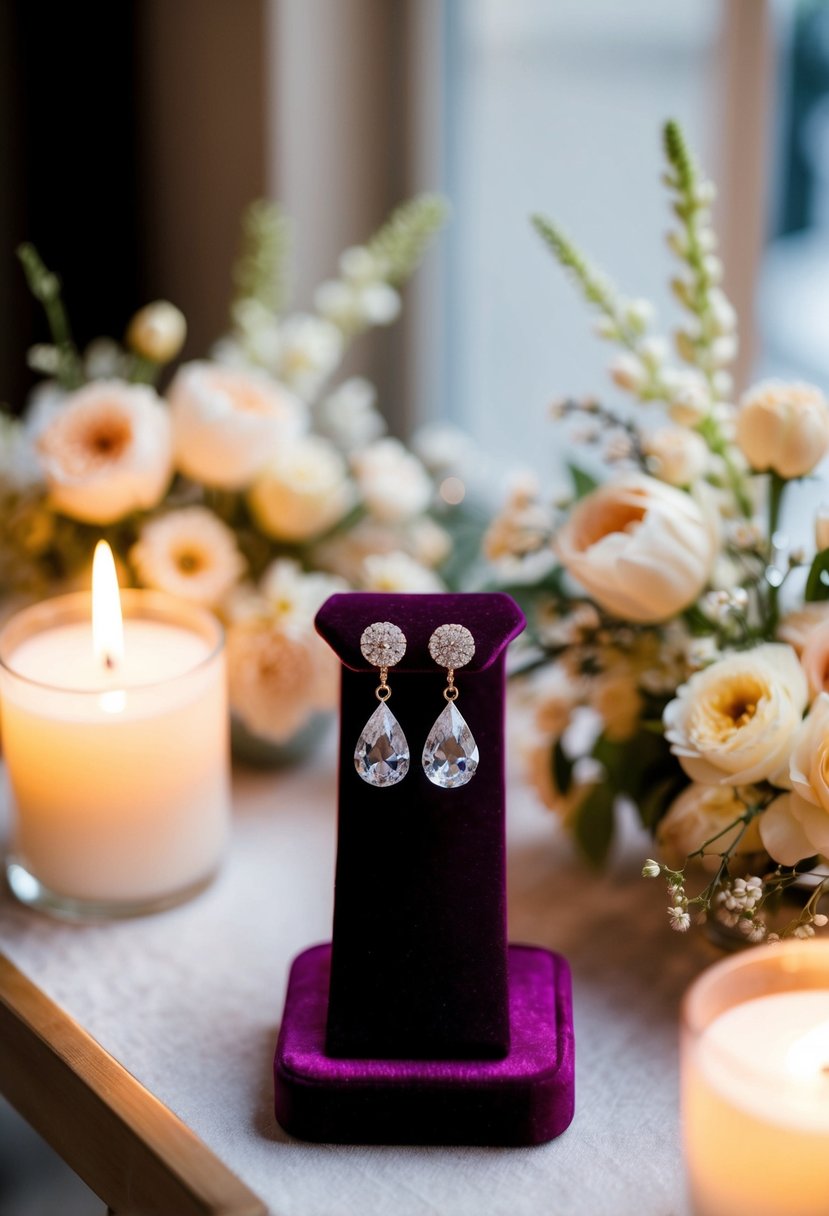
(450, 753)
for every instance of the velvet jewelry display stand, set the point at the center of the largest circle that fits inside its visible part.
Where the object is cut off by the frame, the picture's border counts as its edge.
(418, 1024)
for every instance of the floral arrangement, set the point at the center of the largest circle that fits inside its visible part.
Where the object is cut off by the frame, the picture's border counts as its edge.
(254, 484)
(680, 652)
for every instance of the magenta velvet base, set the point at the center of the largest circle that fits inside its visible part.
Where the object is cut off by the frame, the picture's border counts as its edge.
(525, 1098)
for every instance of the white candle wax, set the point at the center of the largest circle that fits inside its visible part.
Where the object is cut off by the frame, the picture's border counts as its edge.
(119, 775)
(756, 1108)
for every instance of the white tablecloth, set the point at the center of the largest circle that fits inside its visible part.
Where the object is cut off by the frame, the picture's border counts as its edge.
(189, 1001)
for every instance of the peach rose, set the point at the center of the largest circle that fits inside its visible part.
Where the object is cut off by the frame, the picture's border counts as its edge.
(641, 549)
(106, 451)
(796, 825)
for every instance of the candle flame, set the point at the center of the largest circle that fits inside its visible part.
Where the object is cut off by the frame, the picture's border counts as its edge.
(107, 624)
(808, 1056)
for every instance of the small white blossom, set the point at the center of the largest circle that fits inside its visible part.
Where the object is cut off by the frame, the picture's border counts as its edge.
(651, 869)
(679, 918)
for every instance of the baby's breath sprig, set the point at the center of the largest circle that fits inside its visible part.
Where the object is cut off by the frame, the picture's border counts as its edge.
(624, 441)
(400, 244)
(62, 359)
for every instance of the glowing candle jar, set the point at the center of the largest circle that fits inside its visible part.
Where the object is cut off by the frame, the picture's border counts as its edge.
(115, 736)
(755, 1083)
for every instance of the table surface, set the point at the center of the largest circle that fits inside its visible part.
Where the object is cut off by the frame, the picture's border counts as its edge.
(189, 1002)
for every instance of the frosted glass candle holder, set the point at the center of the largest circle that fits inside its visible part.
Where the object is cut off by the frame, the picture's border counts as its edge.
(118, 777)
(755, 1083)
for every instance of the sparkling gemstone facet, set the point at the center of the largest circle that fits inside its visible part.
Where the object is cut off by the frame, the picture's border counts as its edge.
(382, 753)
(450, 756)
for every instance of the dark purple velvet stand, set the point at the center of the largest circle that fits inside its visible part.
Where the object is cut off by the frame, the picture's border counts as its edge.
(418, 1024)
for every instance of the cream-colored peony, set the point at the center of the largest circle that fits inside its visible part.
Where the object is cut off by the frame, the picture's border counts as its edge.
(227, 423)
(641, 549)
(393, 483)
(106, 452)
(796, 825)
(734, 723)
(303, 491)
(783, 428)
(700, 813)
(189, 553)
(676, 455)
(397, 572)
(278, 678)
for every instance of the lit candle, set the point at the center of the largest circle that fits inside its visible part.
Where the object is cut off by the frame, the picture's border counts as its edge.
(115, 740)
(755, 1084)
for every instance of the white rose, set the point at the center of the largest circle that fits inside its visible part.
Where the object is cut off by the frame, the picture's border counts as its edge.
(783, 428)
(393, 483)
(796, 825)
(303, 492)
(734, 722)
(398, 572)
(643, 550)
(107, 452)
(676, 455)
(278, 677)
(227, 423)
(700, 813)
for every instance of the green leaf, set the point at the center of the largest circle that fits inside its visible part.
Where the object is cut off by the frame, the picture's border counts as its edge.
(817, 584)
(562, 768)
(593, 826)
(583, 482)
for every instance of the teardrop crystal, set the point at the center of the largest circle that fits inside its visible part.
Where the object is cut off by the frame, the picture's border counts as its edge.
(381, 756)
(450, 755)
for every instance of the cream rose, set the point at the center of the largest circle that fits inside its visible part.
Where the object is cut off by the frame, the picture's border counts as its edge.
(227, 423)
(643, 550)
(783, 428)
(106, 452)
(796, 825)
(303, 492)
(734, 722)
(700, 813)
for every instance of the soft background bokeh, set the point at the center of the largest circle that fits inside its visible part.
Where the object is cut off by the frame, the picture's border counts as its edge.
(132, 135)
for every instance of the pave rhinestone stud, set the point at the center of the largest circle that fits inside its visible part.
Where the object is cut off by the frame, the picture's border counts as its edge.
(452, 646)
(381, 756)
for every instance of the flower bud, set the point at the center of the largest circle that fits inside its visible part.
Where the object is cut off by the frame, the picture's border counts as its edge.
(783, 428)
(157, 332)
(628, 373)
(651, 869)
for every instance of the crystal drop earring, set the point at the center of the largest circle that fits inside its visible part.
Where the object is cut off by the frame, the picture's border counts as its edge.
(381, 756)
(450, 754)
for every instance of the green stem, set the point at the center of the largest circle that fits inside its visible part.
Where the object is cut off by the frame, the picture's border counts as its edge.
(45, 287)
(777, 486)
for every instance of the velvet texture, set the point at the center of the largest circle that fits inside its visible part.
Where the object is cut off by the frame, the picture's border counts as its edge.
(526, 1098)
(419, 957)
